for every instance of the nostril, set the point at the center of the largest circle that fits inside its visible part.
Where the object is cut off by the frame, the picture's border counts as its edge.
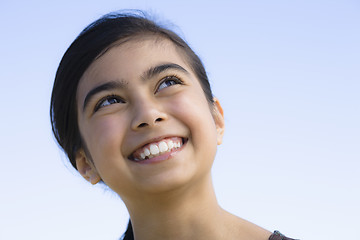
(146, 124)
(158, 120)
(142, 125)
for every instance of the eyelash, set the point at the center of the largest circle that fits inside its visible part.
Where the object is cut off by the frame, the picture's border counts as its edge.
(118, 99)
(173, 78)
(107, 98)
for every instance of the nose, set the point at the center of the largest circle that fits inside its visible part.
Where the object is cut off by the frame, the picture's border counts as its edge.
(147, 114)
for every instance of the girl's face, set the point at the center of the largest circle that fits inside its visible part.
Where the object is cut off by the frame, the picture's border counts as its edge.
(146, 124)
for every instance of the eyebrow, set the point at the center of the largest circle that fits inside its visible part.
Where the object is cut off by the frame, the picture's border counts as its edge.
(154, 71)
(150, 73)
(103, 87)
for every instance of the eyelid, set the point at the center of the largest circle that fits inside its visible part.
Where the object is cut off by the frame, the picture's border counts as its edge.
(170, 77)
(109, 96)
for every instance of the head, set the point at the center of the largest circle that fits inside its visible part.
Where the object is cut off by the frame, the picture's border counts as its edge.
(119, 40)
(93, 42)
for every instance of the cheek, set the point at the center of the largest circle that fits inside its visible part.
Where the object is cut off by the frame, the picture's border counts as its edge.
(194, 111)
(103, 138)
(197, 113)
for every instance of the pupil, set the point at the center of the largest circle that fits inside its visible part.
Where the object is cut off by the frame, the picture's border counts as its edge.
(112, 100)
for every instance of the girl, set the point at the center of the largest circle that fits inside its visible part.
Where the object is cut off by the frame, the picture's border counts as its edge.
(132, 107)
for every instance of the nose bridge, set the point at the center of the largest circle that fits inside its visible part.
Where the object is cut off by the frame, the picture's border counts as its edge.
(147, 112)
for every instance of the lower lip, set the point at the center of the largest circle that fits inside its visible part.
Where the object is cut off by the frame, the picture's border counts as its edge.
(162, 157)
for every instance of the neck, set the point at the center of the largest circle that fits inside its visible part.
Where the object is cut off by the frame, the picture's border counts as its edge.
(188, 213)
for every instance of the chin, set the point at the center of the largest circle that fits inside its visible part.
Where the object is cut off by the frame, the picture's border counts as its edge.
(167, 182)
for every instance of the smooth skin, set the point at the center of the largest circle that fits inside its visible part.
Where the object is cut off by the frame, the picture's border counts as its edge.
(140, 92)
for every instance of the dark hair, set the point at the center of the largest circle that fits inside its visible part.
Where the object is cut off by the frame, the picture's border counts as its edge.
(93, 41)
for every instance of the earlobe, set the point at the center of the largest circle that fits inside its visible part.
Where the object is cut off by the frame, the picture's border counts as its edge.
(86, 168)
(219, 120)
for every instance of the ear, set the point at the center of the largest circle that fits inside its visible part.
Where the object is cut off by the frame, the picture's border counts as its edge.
(86, 168)
(219, 120)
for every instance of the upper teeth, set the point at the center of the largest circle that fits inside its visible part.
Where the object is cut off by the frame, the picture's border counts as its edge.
(157, 148)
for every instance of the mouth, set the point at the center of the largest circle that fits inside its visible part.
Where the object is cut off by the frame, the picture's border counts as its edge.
(162, 148)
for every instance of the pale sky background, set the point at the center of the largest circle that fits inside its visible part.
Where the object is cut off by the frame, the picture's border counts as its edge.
(286, 72)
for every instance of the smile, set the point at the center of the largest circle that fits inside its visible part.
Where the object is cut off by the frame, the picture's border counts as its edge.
(159, 148)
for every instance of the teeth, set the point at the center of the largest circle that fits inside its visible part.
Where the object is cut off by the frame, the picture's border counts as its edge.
(147, 152)
(170, 144)
(163, 147)
(158, 148)
(154, 149)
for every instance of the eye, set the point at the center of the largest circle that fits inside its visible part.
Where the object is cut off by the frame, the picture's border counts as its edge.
(168, 81)
(108, 100)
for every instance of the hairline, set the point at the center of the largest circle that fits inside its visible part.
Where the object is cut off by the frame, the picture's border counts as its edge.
(144, 36)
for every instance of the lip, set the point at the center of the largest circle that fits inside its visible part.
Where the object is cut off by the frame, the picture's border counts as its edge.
(161, 157)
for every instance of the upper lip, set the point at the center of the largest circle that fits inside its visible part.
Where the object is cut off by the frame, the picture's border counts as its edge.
(152, 140)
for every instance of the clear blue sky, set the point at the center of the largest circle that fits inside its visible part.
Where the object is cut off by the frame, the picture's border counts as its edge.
(286, 72)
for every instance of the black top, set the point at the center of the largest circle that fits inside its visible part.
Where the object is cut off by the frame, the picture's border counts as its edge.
(278, 236)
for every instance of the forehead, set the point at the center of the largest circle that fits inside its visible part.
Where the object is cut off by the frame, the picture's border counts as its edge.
(126, 61)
